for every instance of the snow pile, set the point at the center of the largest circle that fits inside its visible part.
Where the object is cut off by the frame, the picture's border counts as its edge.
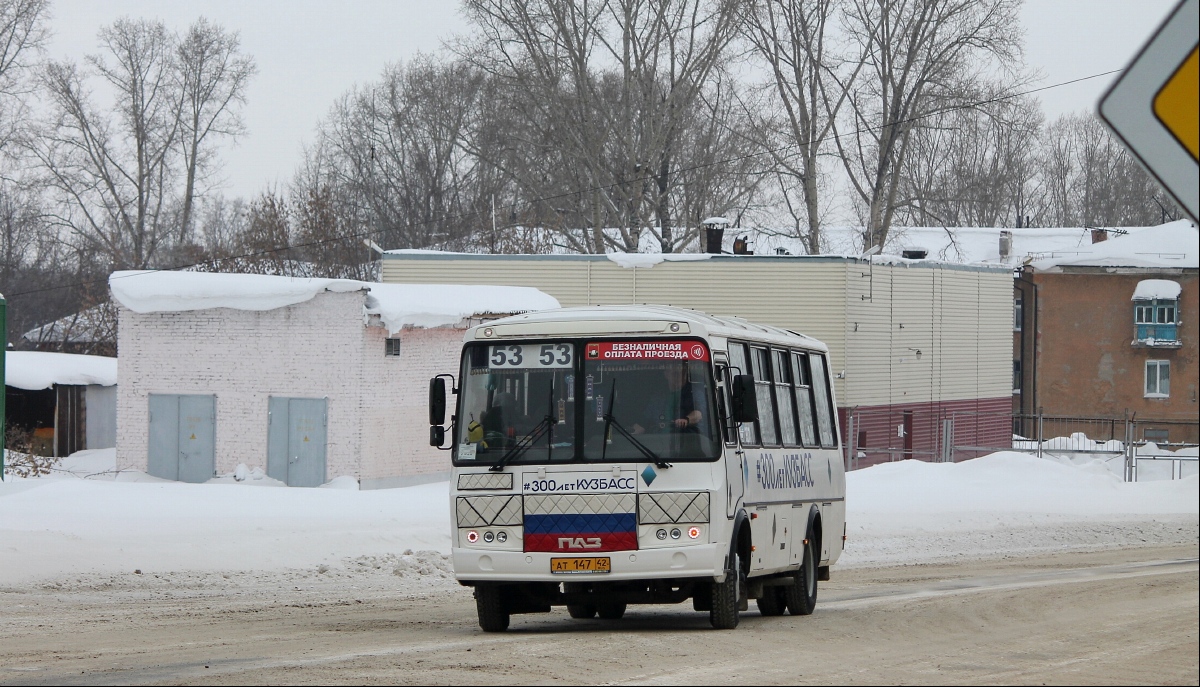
(35, 370)
(1157, 289)
(1008, 503)
(905, 512)
(397, 305)
(54, 528)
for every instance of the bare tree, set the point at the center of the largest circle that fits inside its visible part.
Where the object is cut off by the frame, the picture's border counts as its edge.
(921, 55)
(213, 77)
(1092, 180)
(610, 85)
(973, 166)
(23, 35)
(113, 171)
(793, 40)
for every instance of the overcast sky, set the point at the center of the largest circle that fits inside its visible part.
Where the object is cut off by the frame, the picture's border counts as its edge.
(309, 53)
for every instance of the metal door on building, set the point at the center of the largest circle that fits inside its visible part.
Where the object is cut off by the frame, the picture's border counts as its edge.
(296, 440)
(182, 437)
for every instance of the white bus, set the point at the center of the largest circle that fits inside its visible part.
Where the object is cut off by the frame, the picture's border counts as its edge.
(607, 456)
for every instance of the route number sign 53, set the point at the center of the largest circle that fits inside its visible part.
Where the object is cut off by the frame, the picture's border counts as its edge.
(532, 355)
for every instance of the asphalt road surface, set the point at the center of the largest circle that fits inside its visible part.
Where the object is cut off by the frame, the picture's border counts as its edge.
(1124, 616)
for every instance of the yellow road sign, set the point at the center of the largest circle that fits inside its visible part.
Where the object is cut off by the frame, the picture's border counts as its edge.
(1154, 106)
(1176, 104)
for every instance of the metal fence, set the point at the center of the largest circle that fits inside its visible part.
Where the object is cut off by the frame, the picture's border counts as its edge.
(884, 435)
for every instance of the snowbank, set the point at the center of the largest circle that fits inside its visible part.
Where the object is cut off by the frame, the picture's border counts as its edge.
(398, 305)
(900, 512)
(35, 370)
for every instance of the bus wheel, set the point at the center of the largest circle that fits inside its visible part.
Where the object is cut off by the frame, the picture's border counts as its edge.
(802, 597)
(581, 611)
(493, 617)
(611, 611)
(772, 602)
(724, 614)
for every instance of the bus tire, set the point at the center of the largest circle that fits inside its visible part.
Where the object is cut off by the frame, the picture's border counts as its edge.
(724, 614)
(581, 611)
(772, 602)
(611, 610)
(802, 597)
(493, 616)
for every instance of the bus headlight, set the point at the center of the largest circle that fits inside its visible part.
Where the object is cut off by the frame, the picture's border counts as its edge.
(675, 533)
(488, 537)
(694, 532)
(501, 537)
(661, 534)
(472, 537)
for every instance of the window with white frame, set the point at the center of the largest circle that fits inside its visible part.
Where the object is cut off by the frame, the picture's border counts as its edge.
(1158, 378)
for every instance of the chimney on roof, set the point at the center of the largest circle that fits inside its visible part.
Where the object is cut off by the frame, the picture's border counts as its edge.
(1006, 244)
(714, 234)
(1099, 235)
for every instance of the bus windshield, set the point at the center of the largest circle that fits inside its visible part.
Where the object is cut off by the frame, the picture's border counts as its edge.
(628, 400)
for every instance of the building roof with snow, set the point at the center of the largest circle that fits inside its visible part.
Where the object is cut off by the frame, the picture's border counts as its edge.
(957, 245)
(36, 370)
(1170, 245)
(397, 305)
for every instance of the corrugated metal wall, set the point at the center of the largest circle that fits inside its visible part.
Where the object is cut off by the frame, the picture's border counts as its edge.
(874, 318)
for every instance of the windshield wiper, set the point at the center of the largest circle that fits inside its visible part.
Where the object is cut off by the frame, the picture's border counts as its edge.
(526, 442)
(610, 421)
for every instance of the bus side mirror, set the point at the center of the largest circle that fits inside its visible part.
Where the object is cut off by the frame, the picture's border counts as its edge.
(745, 403)
(437, 435)
(437, 403)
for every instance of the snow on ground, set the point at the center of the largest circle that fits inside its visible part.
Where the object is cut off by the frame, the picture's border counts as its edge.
(88, 524)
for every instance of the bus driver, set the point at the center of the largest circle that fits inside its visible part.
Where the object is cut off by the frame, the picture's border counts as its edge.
(677, 410)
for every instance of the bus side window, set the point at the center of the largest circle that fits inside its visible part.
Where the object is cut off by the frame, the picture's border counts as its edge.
(804, 401)
(724, 403)
(739, 366)
(767, 429)
(820, 387)
(785, 399)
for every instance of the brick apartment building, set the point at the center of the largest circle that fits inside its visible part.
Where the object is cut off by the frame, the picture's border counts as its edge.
(1111, 330)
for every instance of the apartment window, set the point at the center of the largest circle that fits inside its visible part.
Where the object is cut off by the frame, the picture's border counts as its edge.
(1018, 313)
(1158, 378)
(1016, 376)
(391, 348)
(1156, 313)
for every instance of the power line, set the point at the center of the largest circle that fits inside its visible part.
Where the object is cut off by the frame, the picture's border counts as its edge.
(367, 234)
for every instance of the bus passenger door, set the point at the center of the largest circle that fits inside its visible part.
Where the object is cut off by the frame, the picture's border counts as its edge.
(735, 487)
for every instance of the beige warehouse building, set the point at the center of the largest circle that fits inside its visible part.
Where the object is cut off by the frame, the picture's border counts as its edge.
(912, 342)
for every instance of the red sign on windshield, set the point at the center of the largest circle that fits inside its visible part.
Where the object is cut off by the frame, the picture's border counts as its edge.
(647, 350)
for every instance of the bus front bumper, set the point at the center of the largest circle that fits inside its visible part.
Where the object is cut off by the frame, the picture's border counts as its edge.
(701, 560)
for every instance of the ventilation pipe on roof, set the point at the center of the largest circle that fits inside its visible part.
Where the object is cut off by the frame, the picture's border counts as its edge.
(1005, 245)
(714, 234)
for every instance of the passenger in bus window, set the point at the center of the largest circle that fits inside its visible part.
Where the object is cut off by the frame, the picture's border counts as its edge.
(678, 408)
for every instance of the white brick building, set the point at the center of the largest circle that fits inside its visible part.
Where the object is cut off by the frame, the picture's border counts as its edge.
(219, 370)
